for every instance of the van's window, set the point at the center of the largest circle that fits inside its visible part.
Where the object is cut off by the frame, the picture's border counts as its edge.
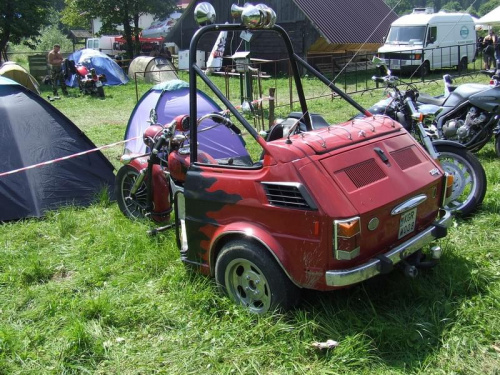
(406, 35)
(432, 35)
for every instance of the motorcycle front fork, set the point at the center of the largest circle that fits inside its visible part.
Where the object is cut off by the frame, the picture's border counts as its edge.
(138, 182)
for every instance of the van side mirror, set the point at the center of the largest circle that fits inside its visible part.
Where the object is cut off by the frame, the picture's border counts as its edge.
(384, 39)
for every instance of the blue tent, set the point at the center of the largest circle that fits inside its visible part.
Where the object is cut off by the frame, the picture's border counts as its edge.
(32, 131)
(171, 99)
(102, 63)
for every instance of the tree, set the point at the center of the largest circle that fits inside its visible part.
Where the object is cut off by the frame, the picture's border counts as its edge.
(126, 13)
(488, 7)
(21, 21)
(452, 6)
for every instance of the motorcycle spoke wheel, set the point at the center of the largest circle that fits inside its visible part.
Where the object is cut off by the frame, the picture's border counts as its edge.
(469, 179)
(131, 206)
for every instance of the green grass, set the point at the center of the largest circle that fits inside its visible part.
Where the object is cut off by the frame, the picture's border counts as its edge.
(84, 290)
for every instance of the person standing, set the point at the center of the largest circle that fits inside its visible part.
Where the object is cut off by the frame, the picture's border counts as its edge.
(56, 59)
(489, 43)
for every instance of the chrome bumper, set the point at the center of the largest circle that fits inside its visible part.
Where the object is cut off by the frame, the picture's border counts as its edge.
(378, 265)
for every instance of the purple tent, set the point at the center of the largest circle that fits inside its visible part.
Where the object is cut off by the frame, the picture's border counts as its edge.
(171, 99)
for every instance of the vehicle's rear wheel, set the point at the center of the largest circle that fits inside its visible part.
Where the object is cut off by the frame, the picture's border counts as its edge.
(250, 276)
(424, 69)
(132, 207)
(497, 145)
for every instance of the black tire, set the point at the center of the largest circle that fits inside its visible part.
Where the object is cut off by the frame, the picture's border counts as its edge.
(251, 277)
(100, 92)
(469, 179)
(497, 145)
(425, 69)
(463, 65)
(133, 208)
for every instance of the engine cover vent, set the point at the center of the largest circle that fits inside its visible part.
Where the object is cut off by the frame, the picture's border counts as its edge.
(364, 173)
(406, 157)
(288, 195)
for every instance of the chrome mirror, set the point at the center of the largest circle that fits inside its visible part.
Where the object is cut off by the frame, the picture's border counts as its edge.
(204, 14)
(254, 16)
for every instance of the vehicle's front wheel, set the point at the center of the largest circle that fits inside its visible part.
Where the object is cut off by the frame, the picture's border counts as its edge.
(132, 206)
(250, 276)
(462, 66)
(424, 69)
(469, 179)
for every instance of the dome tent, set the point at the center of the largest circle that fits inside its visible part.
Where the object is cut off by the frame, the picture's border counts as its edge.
(171, 99)
(102, 63)
(15, 72)
(151, 69)
(32, 132)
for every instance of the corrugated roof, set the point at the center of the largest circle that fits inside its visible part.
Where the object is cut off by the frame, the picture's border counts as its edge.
(349, 21)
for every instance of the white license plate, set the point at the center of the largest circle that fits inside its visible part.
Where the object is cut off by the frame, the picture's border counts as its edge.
(407, 223)
(98, 83)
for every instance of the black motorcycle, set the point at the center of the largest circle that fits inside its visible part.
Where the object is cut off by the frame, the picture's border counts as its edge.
(468, 113)
(469, 185)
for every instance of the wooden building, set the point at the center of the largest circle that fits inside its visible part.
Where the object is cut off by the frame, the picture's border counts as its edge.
(316, 27)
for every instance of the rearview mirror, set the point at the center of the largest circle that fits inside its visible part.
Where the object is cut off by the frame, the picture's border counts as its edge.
(204, 14)
(379, 63)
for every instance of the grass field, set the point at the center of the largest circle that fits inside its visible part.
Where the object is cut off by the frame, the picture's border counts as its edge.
(84, 290)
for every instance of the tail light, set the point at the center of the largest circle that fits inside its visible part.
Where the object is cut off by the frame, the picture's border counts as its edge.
(346, 238)
(448, 188)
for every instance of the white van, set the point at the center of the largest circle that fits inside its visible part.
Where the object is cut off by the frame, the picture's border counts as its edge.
(106, 44)
(425, 40)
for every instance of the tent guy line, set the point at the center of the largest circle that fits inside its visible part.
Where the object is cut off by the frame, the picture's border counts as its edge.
(66, 157)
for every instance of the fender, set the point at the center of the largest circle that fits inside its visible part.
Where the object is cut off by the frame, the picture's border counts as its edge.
(255, 233)
(445, 142)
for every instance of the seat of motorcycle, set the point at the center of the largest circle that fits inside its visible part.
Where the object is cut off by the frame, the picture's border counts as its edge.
(317, 120)
(428, 99)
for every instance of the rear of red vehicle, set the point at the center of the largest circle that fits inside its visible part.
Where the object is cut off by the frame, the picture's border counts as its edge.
(329, 205)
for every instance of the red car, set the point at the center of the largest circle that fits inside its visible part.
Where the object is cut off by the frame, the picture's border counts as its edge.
(321, 206)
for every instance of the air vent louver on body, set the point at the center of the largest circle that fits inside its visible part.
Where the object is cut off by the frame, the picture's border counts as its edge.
(288, 195)
(364, 173)
(406, 157)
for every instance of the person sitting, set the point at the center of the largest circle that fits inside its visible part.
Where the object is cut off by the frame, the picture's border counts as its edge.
(155, 52)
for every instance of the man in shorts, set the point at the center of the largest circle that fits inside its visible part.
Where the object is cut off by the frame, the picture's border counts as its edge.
(56, 59)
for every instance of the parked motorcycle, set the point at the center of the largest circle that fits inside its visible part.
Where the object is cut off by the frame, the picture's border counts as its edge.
(89, 82)
(468, 113)
(469, 186)
(146, 184)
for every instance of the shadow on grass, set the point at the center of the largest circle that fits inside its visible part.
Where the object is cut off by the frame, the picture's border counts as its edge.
(402, 321)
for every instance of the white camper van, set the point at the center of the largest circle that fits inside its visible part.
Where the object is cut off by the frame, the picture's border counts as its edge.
(106, 44)
(425, 40)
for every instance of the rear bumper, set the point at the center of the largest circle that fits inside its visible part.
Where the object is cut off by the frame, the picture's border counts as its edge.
(376, 266)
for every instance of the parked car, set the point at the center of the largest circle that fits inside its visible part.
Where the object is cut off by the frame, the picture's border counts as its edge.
(311, 206)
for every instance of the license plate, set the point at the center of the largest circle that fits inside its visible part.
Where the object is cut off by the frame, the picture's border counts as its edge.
(407, 223)
(98, 84)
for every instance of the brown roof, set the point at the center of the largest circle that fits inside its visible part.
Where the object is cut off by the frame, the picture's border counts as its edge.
(80, 34)
(349, 21)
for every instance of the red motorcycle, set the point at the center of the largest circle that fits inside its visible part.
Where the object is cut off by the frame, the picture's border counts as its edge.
(145, 185)
(89, 82)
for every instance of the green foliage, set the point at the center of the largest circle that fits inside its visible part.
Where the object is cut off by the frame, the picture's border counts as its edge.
(21, 21)
(87, 291)
(452, 6)
(73, 17)
(488, 7)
